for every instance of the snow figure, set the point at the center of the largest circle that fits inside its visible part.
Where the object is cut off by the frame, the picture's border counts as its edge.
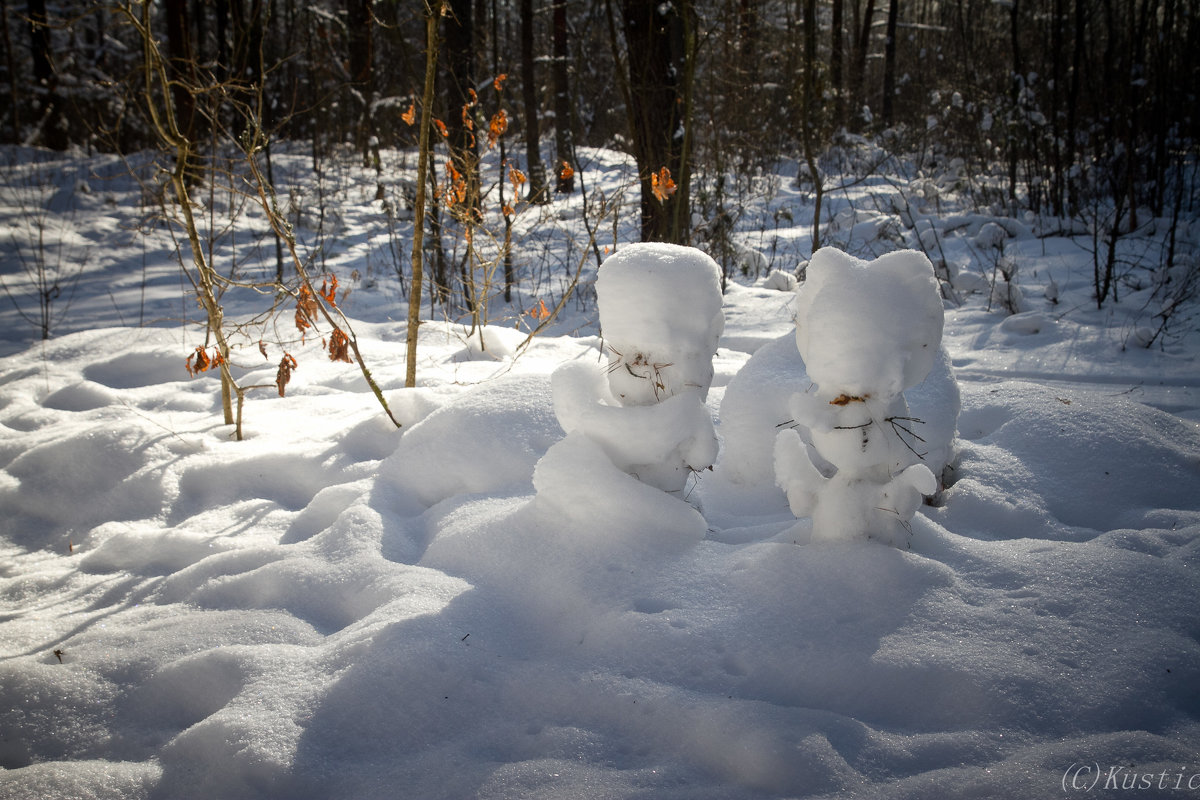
(866, 331)
(660, 314)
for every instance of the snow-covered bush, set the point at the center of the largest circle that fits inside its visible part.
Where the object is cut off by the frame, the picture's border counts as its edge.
(867, 331)
(660, 314)
(780, 281)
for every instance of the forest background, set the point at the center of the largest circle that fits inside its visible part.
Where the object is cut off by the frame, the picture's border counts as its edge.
(1044, 106)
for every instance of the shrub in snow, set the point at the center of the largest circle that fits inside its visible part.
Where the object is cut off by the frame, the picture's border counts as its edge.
(660, 314)
(1006, 295)
(867, 331)
(991, 237)
(780, 281)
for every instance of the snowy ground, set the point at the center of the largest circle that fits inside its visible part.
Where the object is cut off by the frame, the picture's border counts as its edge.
(333, 608)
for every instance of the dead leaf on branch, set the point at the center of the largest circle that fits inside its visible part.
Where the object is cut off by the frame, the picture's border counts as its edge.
(541, 312)
(496, 127)
(329, 290)
(306, 309)
(283, 375)
(202, 362)
(339, 347)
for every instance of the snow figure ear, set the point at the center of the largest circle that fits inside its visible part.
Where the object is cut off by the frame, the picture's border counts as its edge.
(869, 329)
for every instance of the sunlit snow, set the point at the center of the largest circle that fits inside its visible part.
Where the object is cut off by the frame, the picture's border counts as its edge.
(489, 603)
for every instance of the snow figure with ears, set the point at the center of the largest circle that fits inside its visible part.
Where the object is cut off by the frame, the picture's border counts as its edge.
(866, 331)
(660, 315)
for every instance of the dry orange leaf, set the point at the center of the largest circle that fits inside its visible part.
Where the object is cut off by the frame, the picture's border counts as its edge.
(339, 346)
(330, 293)
(662, 185)
(284, 374)
(541, 312)
(306, 309)
(410, 116)
(566, 173)
(442, 128)
(498, 83)
(497, 127)
(202, 361)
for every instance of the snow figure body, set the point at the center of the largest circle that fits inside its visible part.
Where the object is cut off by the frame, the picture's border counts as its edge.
(660, 314)
(866, 331)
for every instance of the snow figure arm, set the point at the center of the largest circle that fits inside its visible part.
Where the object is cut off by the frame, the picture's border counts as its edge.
(903, 494)
(795, 473)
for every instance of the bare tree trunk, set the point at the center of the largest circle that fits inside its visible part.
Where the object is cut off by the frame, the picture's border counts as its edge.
(360, 44)
(533, 154)
(654, 39)
(10, 64)
(563, 143)
(53, 133)
(836, 78)
(182, 66)
(889, 64)
(810, 113)
(432, 13)
(1073, 104)
(861, 46)
(1056, 102)
(1015, 83)
(460, 93)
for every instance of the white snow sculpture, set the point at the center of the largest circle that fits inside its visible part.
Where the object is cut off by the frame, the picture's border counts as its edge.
(866, 331)
(660, 314)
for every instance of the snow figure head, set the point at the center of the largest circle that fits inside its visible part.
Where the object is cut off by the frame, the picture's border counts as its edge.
(660, 314)
(866, 331)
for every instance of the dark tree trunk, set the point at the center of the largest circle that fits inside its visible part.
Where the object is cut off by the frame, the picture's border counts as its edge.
(460, 98)
(836, 77)
(1057, 32)
(654, 38)
(533, 153)
(862, 45)
(360, 43)
(1015, 83)
(53, 133)
(14, 94)
(182, 66)
(889, 64)
(564, 144)
(1073, 103)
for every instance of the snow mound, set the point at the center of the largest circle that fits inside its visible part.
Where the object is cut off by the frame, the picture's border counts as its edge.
(1068, 464)
(478, 442)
